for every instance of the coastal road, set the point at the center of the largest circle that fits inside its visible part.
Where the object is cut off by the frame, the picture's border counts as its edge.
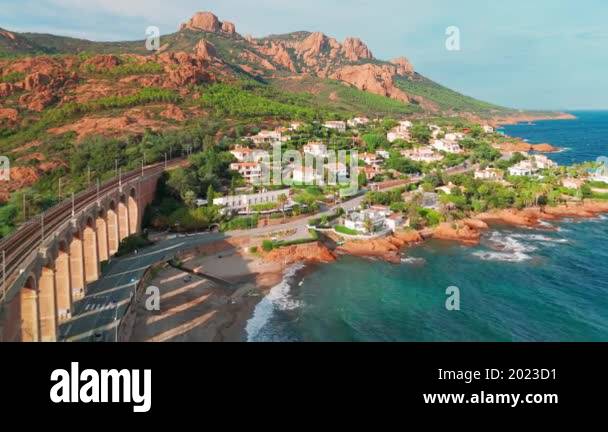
(98, 314)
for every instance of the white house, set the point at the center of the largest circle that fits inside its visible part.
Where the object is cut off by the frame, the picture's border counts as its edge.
(243, 203)
(543, 162)
(295, 126)
(251, 171)
(489, 174)
(358, 221)
(422, 154)
(340, 126)
(316, 149)
(488, 129)
(242, 154)
(358, 121)
(267, 137)
(446, 146)
(370, 158)
(453, 137)
(379, 217)
(523, 168)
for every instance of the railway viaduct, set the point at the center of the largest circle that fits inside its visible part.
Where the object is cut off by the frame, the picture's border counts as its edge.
(50, 260)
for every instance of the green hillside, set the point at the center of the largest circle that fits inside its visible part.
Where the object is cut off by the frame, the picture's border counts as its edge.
(446, 99)
(341, 97)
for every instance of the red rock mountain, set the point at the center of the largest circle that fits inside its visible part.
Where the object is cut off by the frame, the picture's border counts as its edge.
(314, 54)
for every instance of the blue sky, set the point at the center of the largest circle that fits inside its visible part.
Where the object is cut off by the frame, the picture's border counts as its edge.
(543, 54)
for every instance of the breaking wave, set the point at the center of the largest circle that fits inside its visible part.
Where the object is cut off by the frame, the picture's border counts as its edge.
(505, 247)
(539, 238)
(413, 261)
(278, 299)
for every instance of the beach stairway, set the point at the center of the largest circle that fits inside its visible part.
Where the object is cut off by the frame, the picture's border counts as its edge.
(215, 279)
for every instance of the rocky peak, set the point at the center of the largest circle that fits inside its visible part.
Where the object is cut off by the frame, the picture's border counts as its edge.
(315, 43)
(206, 21)
(7, 34)
(228, 27)
(205, 50)
(354, 50)
(404, 67)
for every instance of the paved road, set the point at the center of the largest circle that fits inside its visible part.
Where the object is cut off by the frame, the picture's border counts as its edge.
(97, 316)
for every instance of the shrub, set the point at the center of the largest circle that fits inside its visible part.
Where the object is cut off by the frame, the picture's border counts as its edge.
(314, 236)
(239, 223)
(267, 245)
(432, 217)
(132, 243)
(264, 207)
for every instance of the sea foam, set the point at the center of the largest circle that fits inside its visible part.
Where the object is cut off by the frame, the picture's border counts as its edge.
(505, 247)
(278, 299)
(539, 238)
(413, 261)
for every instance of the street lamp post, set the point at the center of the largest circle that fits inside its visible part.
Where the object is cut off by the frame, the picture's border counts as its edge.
(41, 228)
(116, 320)
(3, 275)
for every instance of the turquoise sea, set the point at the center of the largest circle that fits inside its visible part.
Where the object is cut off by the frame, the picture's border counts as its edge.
(548, 284)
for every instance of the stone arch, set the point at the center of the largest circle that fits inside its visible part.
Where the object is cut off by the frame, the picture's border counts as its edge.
(63, 282)
(133, 211)
(28, 313)
(123, 218)
(112, 222)
(91, 263)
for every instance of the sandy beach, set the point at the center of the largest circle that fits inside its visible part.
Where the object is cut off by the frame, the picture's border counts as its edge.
(196, 309)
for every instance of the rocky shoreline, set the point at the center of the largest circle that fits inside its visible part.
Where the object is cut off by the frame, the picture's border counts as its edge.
(524, 118)
(468, 231)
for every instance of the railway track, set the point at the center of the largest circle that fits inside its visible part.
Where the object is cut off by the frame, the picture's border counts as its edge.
(29, 237)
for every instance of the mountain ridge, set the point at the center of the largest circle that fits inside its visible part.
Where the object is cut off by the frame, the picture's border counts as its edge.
(350, 61)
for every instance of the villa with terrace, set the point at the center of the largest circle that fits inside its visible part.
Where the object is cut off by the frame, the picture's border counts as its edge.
(376, 219)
